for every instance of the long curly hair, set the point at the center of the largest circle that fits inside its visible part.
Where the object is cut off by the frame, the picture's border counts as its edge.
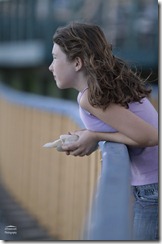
(110, 79)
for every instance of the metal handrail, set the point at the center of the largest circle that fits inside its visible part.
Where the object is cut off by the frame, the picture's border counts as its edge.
(110, 217)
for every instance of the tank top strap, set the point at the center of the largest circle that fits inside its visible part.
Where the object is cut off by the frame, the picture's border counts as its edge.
(81, 94)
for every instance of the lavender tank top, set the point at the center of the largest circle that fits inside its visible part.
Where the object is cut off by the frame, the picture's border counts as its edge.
(144, 161)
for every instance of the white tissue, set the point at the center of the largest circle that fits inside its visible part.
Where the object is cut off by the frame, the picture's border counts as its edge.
(64, 139)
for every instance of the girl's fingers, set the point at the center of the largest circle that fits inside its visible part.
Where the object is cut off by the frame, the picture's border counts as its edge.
(70, 147)
(77, 152)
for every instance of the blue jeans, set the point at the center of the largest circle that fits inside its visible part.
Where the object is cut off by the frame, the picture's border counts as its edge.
(145, 226)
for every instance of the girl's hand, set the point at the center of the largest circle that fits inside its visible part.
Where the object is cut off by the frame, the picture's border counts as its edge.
(85, 145)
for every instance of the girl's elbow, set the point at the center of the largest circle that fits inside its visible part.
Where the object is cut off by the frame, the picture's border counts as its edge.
(156, 138)
(153, 142)
(149, 142)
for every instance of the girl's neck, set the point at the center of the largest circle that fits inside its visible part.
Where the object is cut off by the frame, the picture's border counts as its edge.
(81, 85)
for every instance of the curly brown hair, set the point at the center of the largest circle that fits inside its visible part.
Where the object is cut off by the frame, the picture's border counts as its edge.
(110, 79)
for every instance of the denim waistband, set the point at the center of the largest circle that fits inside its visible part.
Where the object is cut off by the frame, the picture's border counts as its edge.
(147, 189)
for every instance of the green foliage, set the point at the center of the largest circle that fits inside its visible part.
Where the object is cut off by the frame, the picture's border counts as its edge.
(35, 80)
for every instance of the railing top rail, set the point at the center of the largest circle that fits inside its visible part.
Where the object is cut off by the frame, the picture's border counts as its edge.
(43, 103)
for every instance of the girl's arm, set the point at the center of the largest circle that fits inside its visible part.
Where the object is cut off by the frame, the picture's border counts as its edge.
(132, 130)
(115, 137)
(88, 142)
(129, 125)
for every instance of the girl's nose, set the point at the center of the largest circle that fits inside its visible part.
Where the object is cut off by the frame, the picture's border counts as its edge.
(50, 67)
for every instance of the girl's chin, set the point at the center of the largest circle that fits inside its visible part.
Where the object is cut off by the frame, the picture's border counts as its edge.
(60, 86)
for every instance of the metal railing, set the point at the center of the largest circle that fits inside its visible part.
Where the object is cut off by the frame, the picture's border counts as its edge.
(110, 217)
(27, 27)
(132, 26)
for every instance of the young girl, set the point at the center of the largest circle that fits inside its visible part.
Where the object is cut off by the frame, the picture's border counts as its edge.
(114, 107)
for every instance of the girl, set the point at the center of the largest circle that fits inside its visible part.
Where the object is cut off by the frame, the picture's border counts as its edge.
(114, 107)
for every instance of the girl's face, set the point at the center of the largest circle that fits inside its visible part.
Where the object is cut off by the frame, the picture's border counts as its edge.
(62, 69)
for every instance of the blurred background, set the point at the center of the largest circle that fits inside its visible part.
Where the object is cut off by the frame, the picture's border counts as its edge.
(45, 195)
(27, 27)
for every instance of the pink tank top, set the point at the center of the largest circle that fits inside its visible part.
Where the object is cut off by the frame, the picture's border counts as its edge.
(144, 161)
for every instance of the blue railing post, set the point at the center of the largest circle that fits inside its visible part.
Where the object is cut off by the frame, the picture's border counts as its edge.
(110, 217)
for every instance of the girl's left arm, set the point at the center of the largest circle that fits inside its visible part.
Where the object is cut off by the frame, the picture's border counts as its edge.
(131, 130)
(126, 123)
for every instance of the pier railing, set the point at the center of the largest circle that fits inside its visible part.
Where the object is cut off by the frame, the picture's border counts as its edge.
(110, 217)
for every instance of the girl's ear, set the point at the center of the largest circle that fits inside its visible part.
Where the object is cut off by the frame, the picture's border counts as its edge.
(78, 63)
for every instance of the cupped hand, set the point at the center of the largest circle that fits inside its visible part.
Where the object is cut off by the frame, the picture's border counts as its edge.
(84, 146)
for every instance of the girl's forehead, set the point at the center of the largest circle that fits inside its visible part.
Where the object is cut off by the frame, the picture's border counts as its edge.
(56, 49)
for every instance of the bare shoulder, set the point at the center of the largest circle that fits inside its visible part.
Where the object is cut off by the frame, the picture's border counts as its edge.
(85, 104)
(115, 115)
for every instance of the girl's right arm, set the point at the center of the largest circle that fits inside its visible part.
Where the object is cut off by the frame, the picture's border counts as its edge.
(115, 137)
(88, 142)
